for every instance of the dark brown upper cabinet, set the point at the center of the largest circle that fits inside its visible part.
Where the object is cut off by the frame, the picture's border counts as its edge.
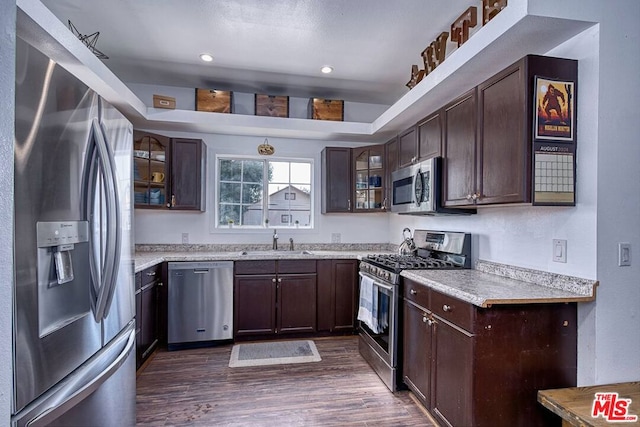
(336, 180)
(188, 171)
(168, 172)
(430, 136)
(369, 178)
(489, 149)
(408, 147)
(150, 170)
(460, 150)
(391, 152)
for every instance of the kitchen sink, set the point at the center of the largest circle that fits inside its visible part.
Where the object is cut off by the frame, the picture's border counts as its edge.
(276, 252)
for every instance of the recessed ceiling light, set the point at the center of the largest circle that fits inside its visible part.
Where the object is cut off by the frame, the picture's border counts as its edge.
(326, 69)
(206, 57)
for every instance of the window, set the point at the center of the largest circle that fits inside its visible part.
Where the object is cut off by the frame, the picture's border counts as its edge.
(260, 193)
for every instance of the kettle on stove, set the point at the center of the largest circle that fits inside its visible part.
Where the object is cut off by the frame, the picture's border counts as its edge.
(408, 246)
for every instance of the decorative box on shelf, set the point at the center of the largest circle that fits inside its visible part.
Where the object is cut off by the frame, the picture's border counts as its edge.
(274, 106)
(214, 101)
(326, 109)
(161, 101)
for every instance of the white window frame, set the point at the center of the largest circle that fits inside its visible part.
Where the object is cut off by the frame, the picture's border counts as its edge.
(216, 226)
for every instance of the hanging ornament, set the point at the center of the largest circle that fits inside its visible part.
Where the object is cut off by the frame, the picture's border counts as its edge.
(266, 149)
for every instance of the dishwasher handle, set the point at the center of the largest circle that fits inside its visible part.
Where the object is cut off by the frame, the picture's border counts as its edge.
(200, 267)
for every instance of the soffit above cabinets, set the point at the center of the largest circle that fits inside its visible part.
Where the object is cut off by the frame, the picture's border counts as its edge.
(508, 37)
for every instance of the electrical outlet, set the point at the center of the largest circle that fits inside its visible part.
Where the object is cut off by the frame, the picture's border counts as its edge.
(335, 237)
(624, 254)
(185, 237)
(559, 250)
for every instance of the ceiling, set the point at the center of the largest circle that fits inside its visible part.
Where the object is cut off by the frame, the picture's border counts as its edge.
(275, 47)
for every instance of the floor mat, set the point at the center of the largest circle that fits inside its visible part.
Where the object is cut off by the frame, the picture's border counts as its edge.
(273, 353)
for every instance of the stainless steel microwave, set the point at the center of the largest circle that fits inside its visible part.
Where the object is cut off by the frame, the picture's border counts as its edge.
(417, 190)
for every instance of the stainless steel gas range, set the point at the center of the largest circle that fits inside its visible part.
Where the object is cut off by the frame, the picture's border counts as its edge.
(380, 290)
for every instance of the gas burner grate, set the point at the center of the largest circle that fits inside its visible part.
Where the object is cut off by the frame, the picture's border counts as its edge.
(408, 262)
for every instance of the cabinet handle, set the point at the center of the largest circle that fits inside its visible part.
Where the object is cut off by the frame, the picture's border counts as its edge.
(424, 319)
(173, 200)
(469, 197)
(446, 307)
(349, 204)
(273, 280)
(384, 203)
(413, 292)
(160, 284)
(430, 322)
(151, 273)
(279, 280)
(475, 196)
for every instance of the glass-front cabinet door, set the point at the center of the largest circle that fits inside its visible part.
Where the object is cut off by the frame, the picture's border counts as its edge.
(149, 170)
(369, 179)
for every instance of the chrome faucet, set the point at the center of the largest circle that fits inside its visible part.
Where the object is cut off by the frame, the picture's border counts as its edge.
(290, 243)
(275, 240)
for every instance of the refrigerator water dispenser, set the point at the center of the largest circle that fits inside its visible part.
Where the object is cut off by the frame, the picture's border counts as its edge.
(64, 280)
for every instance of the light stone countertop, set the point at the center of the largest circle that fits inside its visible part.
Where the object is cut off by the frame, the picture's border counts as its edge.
(491, 283)
(145, 260)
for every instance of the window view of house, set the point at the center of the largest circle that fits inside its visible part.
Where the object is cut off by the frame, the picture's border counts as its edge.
(256, 192)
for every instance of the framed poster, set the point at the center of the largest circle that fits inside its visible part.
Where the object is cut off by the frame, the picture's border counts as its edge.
(554, 110)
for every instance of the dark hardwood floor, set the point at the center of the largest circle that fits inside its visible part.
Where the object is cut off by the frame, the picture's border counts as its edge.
(197, 388)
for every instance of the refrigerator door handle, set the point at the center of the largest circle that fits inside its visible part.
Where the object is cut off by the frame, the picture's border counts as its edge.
(89, 190)
(112, 246)
(80, 384)
(114, 224)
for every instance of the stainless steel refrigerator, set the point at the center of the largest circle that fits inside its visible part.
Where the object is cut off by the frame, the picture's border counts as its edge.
(73, 317)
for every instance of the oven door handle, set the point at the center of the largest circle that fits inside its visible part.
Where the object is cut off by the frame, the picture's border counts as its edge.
(375, 282)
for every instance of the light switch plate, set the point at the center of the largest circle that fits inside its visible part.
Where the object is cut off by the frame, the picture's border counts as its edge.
(624, 254)
(559, 250)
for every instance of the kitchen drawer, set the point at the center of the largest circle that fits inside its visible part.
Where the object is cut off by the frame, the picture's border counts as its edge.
(150, 274)
(417, 293)
(267, 266)
(452, 309)
(294, 266)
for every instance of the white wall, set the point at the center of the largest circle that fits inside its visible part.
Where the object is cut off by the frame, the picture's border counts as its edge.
(7, 88)
(151, 226)
(616, 314)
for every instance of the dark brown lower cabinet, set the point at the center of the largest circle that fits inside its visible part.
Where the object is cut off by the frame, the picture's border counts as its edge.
(148, 312)
(452, 397)
(273, 297)
(417, 352)
(296, 303)
(337, 295)
(473, 366)
(255, 305)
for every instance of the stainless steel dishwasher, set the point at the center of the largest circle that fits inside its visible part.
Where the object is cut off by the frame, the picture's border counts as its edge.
(200, 306)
